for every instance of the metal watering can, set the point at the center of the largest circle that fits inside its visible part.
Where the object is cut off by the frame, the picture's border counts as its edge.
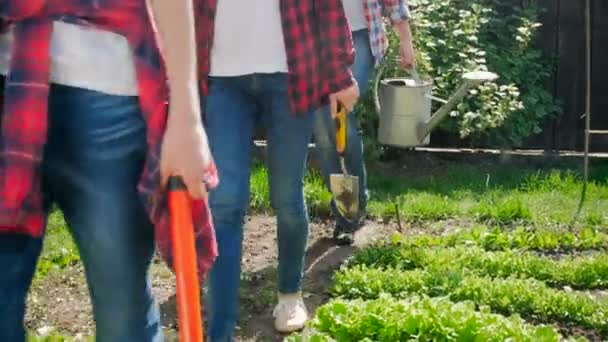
(404, 106)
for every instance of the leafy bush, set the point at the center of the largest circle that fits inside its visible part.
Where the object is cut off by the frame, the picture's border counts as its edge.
(418, 319)
(60, 250)
(497, 239)
(526, 297)
(317, 196)
(579, 272)
(54, 337)
(455, 36)
(507, 211)
(425, 206)
(259, 198)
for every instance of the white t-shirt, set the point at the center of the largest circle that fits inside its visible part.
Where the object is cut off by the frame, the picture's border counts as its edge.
(355, 14)
(248, 38)
(85, 57)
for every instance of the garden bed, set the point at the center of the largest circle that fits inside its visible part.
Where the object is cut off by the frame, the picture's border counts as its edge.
(494, 238)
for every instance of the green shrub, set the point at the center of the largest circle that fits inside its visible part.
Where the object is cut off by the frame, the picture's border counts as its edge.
(418, 319)
(509, 210)
(427, 207)
(455, 36)
(318, 198)
(259, 199)
(583, 272)
(497, 239)
(526, 297)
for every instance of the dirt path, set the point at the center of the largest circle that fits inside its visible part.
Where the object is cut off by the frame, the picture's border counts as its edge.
(60, 302)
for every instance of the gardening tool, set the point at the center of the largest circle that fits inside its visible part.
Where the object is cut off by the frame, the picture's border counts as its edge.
(404, 106)
(344, 187)
(184, 260)
(588, 131)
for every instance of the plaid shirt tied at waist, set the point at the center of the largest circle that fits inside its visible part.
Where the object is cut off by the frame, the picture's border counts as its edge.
(25, 114)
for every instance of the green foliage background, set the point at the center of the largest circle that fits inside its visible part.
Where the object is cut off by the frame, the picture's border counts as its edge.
(455, 36)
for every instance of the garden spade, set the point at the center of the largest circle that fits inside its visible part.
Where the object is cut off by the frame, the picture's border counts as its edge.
(344, 187)
(184, 260)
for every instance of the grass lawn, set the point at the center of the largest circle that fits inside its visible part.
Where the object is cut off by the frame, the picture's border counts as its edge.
(511, 207)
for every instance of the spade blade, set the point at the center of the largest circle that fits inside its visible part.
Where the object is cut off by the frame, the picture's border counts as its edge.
(345, 190)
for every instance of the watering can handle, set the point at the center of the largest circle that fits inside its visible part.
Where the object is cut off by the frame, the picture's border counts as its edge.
(413, 72)
(375, 88)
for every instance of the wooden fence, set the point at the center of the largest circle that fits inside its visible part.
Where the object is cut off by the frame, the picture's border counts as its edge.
(562, 37)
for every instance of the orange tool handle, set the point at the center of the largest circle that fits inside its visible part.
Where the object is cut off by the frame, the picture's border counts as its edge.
(184, 259)
(340, 120)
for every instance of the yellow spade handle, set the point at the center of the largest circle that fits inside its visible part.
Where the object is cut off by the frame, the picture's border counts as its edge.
(340, 120)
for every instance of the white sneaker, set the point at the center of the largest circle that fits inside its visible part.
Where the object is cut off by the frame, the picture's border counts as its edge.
(290, 314)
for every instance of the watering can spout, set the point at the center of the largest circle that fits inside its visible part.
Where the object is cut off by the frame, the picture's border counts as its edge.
(470, 80)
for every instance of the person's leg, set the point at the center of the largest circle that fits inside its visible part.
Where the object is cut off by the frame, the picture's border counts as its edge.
(288, 136)
(94, 158)
(229, 121)
(324, 134)
(18, 257)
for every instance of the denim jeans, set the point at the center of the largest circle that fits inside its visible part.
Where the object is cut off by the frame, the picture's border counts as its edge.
(93, 159)
(232, 108)
(324, 132)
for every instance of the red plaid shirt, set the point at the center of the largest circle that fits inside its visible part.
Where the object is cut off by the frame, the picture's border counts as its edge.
(318, 43)
(25, 114)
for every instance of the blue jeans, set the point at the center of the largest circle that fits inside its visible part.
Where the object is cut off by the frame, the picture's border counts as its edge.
(324, 132)
(93, 159)
(232, 107)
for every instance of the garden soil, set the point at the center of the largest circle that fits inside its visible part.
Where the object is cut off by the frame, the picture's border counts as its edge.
(60, 301)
